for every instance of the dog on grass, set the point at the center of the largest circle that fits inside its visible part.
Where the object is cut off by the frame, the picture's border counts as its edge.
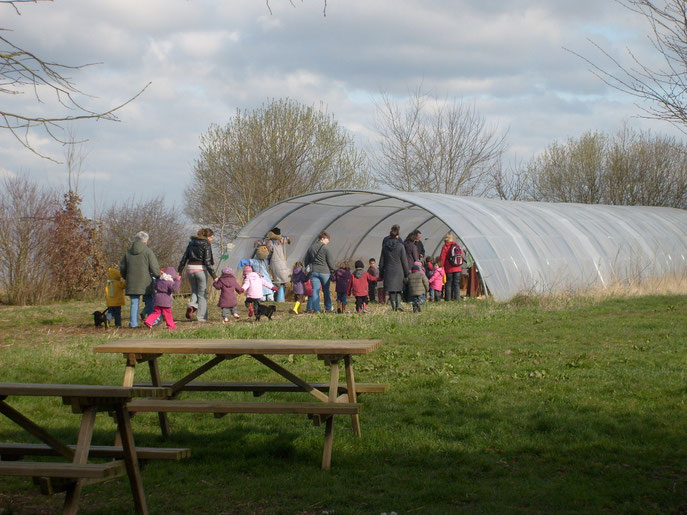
(100, 318)
(264, 310)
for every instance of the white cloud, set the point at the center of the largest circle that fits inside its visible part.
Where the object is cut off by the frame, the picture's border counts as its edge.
(206, 59)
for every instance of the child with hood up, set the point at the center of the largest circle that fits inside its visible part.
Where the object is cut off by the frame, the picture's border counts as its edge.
(228, 287)
(298, 278)
(360, 286)
(436, 282)
(418, 286)
(114, 295)
(343, 278)
(165, 286)
(252, 285)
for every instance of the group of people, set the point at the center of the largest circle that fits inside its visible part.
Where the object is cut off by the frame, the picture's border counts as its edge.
(404, 272)
(139, 276)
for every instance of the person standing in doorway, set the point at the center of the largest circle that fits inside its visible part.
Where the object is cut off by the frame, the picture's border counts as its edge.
(451, 266)
(393, 267)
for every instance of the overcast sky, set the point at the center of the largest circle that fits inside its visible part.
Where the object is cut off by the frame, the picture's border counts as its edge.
(207, 58)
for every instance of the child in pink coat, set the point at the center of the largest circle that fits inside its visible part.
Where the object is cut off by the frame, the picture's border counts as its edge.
(252, 285)
(436, 282)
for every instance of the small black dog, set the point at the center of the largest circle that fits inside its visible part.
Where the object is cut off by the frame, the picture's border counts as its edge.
(100, 318)
(267, 311)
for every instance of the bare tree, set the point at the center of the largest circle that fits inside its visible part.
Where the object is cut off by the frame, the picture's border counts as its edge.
(662, 82)
(165, 225)
(437, 146)
(508, 182)
(22, 72)
(25, 214)
(627, 168)
(260, 157)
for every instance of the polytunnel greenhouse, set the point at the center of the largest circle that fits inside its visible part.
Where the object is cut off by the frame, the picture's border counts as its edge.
(518, 247)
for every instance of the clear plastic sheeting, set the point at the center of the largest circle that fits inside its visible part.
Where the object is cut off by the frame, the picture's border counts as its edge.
(519, 247)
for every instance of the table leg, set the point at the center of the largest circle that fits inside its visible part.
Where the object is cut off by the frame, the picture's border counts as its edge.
(130, 458)
(329, 425)
(328, 443)
(155, 378)
(83, 444)
(352, 395)
(129, 372)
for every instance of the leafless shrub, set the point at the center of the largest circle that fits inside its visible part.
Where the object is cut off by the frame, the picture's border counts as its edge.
(165, 225)
(627, 168)
(26, 212)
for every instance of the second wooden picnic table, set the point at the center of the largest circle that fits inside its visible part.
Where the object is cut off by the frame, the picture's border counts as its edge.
(331, 352)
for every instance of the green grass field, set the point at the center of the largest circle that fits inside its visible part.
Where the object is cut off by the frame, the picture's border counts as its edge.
(564, 405)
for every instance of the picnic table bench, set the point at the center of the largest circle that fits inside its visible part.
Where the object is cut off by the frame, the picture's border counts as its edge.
(333, 398)
(70, 477)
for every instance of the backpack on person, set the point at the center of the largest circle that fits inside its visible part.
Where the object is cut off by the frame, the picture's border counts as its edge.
(455, 255)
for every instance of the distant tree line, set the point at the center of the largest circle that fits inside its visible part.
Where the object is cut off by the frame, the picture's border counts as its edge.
(50, 250)
(626, 168)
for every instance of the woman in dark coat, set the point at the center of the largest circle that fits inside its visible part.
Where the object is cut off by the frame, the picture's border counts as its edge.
(393, 267)
(199, 263)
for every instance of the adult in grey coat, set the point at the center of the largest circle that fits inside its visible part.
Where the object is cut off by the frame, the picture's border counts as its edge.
(138, 267)
(393, 267)
(322, 266)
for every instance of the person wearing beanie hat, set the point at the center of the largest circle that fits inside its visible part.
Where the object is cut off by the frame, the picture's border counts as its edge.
(165, 286)
(228, 287)
(418, 286)
(252, 286)
(342, 278)
(359, 286)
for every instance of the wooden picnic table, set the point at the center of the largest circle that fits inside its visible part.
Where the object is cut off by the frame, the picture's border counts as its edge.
(328, 401)
(86, 400)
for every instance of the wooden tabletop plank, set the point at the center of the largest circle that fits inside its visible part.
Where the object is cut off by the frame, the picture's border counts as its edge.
(80, 390)
(229, 347)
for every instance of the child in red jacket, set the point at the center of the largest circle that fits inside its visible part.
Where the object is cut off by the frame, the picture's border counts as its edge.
(359, 286)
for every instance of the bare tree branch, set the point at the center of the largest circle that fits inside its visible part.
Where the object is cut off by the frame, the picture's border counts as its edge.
(22, 71)
(663, 84)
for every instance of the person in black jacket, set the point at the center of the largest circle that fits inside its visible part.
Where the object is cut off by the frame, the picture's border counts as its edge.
(198, 262)
(393, 267)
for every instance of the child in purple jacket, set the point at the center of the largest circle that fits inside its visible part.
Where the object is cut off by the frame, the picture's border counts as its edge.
(228, 287)
(343, 278)
(167, 284)
(298, 279)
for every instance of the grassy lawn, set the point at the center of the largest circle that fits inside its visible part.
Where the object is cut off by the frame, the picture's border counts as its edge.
(566, 405)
